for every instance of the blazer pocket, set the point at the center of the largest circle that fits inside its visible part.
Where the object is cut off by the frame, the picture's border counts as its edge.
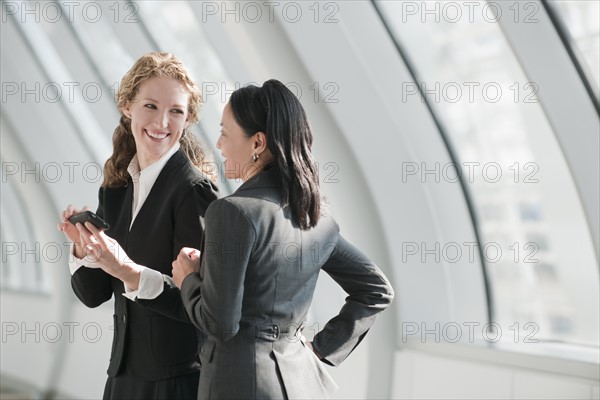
(302, 375)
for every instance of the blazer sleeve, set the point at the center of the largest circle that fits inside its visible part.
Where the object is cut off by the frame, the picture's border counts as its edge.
(369, 293)
(213, 298)
(92, 285)
(188, 232)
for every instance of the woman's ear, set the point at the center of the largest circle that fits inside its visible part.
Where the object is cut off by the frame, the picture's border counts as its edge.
(126, 110)
(260, 142)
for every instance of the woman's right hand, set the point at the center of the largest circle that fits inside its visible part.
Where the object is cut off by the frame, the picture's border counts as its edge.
(70, 231)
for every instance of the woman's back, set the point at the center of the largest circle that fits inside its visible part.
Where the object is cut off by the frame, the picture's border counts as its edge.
(282, 261)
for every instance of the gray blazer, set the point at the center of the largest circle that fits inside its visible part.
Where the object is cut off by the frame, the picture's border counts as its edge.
(251, 297)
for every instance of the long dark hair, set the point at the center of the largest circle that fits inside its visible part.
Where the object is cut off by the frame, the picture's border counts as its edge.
(275, 110)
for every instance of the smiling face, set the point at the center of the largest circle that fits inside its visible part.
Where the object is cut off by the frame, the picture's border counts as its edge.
(158, 115)
(236, 147)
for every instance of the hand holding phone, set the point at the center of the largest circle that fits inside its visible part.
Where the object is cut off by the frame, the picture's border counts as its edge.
(88, 216)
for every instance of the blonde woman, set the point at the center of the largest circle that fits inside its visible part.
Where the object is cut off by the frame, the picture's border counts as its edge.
(154, 196)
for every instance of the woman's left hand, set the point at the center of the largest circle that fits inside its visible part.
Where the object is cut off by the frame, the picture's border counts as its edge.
(187, 262)
(109, 254)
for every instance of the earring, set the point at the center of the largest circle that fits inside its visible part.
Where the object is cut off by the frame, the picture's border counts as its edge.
(255, 157)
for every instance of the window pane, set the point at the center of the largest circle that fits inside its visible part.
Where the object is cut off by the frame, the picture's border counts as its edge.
(582, 21)
(537, 248)
(21, 265)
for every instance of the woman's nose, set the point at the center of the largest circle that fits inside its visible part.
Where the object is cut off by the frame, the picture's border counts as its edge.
(162, 119)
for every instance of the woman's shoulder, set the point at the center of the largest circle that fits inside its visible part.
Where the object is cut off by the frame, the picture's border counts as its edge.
(182, 172)
(227, 203)
(230, 205)
(199, 185)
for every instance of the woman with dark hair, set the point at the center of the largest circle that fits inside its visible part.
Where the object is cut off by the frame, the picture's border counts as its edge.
(251, 287)
(154, 196)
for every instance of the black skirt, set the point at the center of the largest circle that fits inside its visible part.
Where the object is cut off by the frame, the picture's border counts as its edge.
(129, 387)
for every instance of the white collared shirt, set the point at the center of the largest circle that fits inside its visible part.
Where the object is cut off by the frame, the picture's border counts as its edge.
(144, 180)
(151, 281)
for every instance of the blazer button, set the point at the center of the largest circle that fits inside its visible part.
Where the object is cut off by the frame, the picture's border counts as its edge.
(124, 319)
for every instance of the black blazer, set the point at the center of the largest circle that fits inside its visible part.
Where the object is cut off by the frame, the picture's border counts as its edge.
(153, 339)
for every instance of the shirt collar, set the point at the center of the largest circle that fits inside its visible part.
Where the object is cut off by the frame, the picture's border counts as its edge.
(151, 171)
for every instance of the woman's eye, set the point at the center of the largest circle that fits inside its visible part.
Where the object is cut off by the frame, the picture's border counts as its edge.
(178, 111)
(151, 106)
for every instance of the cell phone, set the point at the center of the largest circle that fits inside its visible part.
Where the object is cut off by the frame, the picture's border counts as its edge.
(88, 216)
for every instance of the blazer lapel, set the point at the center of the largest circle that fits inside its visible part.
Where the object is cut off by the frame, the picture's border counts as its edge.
(152, 201)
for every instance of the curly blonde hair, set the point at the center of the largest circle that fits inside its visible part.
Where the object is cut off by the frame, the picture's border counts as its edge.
(151, 65)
